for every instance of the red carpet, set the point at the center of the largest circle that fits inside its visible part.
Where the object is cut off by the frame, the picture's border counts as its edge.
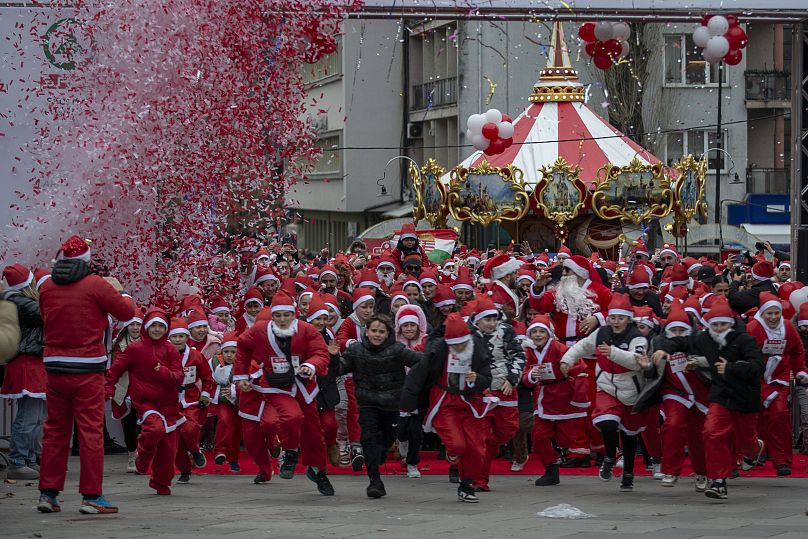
(430, 465)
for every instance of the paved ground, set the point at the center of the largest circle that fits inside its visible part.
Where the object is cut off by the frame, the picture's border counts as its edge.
(233, 507)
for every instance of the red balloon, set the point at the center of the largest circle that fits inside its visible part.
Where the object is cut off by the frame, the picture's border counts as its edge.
(733, 20)
(497, 146)
(706, 19)
(587, 32)
(591, 48)
(491, 131)
(736, 37)
(612, 47)
(507, 142)
(506, 118)
(733, 57)
(603, 62)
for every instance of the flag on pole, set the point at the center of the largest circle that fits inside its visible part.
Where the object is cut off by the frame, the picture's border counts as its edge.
(438, 244)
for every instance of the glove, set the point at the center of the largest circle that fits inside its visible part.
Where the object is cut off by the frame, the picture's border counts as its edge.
(203, 401)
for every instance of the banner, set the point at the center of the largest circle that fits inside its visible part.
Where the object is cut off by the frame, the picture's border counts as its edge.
(438, 244)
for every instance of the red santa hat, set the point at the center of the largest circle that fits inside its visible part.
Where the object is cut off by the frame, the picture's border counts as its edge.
(196, 318)
(464, 280)
(428, 276)
(763, 270)
(784, 290)
(769, 300)
(691, 305)
(361, 295)
(679, 275)
(678, 292)
(668, 249)
(328, 270)
(802, 320)
(457, 330)
(639, 279)
(219, 305)
(41, 275)
(473, 257)
(691, 264)
(678, 318)
(543, 259)
(282, 302)
(720, 311)
(784, 264)
(526, 275)
(563, 252)
(484, 306)
(229, 340)
(610, 267)
(579, 265)
(155, 316)
(254, 295)
(313, 273)
(264, 273)
(18, 276)
(640, 249)
(331, 302)
(541, 321)
(644, 315)
(407, 313)
(499, 266)
(317, 308)
(178, 327)
(444, 296)
(407, 231)
(369, 279)
(386, 260)
(620, 305)
(75, 247)
(137, 318)
(303, 282)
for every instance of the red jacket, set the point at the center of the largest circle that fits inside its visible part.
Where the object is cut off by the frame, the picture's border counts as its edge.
(349, 331)
(197, 378)
(75, 320)
(555, 397)
(780, 358)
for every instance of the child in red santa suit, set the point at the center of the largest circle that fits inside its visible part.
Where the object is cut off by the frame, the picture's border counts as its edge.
(194, 397)
(227, 441)
(558, 413)
(411, 331)
(783, 355)
(200, 338)
(154, 369)
(456, 372)
(290, 353)
(253, 303)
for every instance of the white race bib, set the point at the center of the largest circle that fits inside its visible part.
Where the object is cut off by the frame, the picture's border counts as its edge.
(280, 365)
(190, 375)
(546, 371)
(295, 361)
(773, 347)
(678, 362)
(458, 366)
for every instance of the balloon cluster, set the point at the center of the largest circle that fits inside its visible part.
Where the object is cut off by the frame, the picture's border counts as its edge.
(722, 38)
(317, 42)
(491, 132)
(605, 41)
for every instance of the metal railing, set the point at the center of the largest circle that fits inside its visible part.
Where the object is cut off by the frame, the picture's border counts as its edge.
(772, 181)
(437, 93)
(768, 87)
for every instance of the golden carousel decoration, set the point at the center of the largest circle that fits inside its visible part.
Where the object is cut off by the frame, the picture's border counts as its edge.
(560, 194)
(633, 193)
(688, 195)
(430, 194)
(486, 194)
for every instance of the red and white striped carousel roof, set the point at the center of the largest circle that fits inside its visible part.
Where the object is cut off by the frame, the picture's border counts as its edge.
(562, 126)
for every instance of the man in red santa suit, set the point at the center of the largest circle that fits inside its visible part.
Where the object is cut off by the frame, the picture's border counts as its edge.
(501, 271)
(75, 307)
(194, 396)
(783, 355)
(290, 353)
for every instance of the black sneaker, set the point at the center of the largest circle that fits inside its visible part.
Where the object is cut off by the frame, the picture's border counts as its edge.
(199, 459)
(288, 464)
(184, 478)
(376, 487)
(550, 477)
(357, 460)
(717, 490)
(275, 451)
(578, 462)
(783, 470)
(454, 474)
(465, 493)
(627, 483)
(219, 459)
(324, 486)
(259, 478)
(735, 473)
(607, 469)
(599, 459)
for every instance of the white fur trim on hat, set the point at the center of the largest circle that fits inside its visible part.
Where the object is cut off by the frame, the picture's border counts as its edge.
(398, 296)
(280, 308)
(42, 280)
(506, 268)
(178, 331)
(316, 314)
(637, 285)
(525, 277)
(482, 314)
(154, 320)
(726, 319)
(458, 340)
(450, 301)
(228, 344)
(677, 324)
(621, 312)
(327, 272)
(361, 300)
(580, 271)
(408, 318)
(254, 300)
(802, 322)
(695, 266)
(425, 280)
(668, 250)
(469, 259)
(784, 265)
(408, 235)
(369, 284)
(83, 256)
(25, 283)
(132, 320)
(335, 308)
(542, 325)
(462, 286)
(386, 263)
(645, 320)
(198, 323)
(218, 310)
(760, 277)
(769, 304)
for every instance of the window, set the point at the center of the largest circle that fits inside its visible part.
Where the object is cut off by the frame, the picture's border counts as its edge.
(330, 162)
(328, 66)
(696, 142)
(684, 64)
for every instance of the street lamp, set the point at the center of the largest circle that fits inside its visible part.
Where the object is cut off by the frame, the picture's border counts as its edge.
(718, 182)
(382, 187)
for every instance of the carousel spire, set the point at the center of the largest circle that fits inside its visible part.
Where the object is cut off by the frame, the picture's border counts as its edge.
(558, 81)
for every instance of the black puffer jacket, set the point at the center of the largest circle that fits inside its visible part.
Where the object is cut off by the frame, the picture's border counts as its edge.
(328, 396)
(32, 338)
(378, 371)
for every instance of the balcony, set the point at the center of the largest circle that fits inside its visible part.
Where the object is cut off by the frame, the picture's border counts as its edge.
(768, 90)
(772, 181)
(438, 93)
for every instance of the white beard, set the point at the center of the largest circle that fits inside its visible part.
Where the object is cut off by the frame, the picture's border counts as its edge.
(386, 279)
(467, 352)
(720, 338)
(573, 300)
(288, 332)
(670, 335)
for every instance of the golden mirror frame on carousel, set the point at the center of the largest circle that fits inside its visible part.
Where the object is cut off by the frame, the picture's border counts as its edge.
(487, 210)
(437, 218)
(568, 176)
(698, 167)
(608, 209)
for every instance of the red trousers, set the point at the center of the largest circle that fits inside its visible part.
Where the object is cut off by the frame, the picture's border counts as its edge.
(652, 436)
(259, 438)
(588, 438)
(354, 432)
(227, 440)
(157, 448)
(79, 398)
(774, 426)
(724, 428)
(682, 427)
(501, 425)
(462, 434)
(328, 421)
(189, 434)
(298, 427)
(563, 431)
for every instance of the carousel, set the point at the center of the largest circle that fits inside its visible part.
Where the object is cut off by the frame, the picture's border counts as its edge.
(569, 176)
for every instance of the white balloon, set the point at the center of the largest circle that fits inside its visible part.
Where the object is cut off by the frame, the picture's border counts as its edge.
(469, 134)
(483, 144)
(626, 48)
(711, 58)
(718, 25)
(718, 46)
(477, 138)
(604, 31)
(621, 31)
(505, 129)
(798, 297)
(475, 122)
(701, 36)
(493, 116)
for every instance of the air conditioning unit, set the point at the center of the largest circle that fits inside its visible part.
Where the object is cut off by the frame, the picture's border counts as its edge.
(415, 130)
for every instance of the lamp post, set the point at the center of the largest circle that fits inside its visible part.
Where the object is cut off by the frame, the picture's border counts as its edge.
(718, 178)
(382, 188)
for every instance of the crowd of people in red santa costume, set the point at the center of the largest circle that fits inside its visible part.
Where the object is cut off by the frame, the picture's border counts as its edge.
(355, 359)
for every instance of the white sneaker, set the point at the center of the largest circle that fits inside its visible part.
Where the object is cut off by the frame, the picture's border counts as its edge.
(658, 472)
(412, 471)
(701, 483)
(517, 467)
(130, 465)
(669, 480)
(619, 463)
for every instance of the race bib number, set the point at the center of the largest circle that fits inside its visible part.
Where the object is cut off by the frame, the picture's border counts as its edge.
(458, 366)
(773, 347)
(280, 365)
(678, 362)
(295, 361)
(190, 375)
(546, 371)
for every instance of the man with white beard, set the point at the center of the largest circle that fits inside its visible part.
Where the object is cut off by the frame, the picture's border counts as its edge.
(576, 305)
(386, 271)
